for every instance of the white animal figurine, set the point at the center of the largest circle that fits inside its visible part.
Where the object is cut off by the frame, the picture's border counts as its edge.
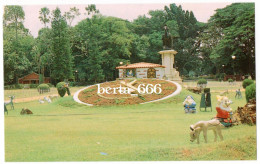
(10, 102)
(47, 99)
(41, 101)
(204, 126)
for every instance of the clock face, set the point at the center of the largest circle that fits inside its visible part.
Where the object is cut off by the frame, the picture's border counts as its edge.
(151, 73)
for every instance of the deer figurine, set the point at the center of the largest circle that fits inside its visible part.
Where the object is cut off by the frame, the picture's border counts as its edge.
(10, 102)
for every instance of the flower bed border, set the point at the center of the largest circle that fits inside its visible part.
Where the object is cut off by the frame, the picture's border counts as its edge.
(176, 92)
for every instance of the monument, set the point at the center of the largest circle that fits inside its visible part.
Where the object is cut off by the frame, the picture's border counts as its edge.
(168, 57)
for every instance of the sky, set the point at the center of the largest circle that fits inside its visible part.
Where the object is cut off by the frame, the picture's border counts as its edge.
(202, 11)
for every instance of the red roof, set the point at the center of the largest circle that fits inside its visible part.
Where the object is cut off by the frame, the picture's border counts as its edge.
(140, 65)
(32, 76)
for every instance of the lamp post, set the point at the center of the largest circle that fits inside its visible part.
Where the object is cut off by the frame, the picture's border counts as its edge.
(233, 58)
(223, 68)
(76, 74)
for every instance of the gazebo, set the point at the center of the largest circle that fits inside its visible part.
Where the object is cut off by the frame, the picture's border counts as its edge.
(32, 78)
(141, 70)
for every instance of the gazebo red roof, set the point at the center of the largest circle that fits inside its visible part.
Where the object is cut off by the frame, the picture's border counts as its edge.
(32, 76)
(140, 65)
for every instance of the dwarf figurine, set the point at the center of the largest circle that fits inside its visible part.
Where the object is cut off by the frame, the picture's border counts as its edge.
(189, 105)
(224, 111)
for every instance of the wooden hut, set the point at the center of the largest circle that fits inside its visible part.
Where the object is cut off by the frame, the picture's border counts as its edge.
(32, 78)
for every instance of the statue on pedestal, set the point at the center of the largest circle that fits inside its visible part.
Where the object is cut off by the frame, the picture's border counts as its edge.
(168, 53)
(167, 39)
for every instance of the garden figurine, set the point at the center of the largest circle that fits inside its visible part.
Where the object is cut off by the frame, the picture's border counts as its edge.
(204, 126)
(224, 111)
(47, 99)
(189, 105)
(41, 101)
(238, 94)
(26, 111)
(10, 102)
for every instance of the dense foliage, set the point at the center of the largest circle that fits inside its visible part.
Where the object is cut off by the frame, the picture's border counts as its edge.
(62, 69)
(61, 88)
(250, 92)
(230, 80)
(89, 51)
(202, 81)
(44, 86)
(247, 82)
(230, 32)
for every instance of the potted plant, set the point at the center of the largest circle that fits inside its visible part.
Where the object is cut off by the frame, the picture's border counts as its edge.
(230, 81)
(202, 83)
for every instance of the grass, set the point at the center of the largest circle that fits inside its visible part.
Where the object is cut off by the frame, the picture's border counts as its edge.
(219, 86)
(67, 131)
(26, 93)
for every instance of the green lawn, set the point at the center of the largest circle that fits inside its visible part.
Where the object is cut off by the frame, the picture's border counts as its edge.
(26, 93)
(67, 131)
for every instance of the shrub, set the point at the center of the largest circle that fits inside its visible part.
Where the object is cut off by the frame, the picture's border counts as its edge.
(230, 80)
(34, 85)
(50, 85)
(61, 89)
(250, 92)
(43, 88)
(10, 86)
(247, 82)
(18, 86)
(202, 81)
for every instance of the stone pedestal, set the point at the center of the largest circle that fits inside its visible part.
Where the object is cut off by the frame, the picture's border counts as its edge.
(168, 61)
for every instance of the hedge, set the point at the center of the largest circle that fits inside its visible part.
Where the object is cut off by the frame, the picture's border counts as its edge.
(230, 80)
(202, 81)
(62, 89)
(247, 82)
(43, 88)
(250, 92)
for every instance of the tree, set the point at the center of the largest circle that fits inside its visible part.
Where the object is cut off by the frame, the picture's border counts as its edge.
(91, 9)
(62, 58)
(116, 44)
(184, 27)
(16, 55)
(13, 18)
(44, 16)
(139, 48)
(72, 14)
(43, 51)
(17, 47)
(232, 33)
